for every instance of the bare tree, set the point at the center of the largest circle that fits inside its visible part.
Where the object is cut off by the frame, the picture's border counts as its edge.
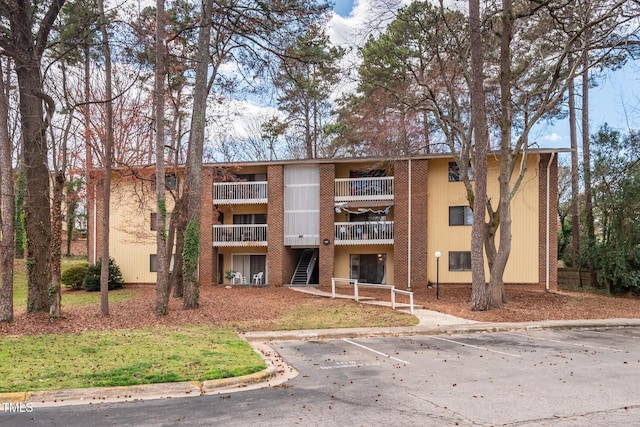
(108, 153)
(162, 282)
(26, 47)
(7, 246)
(479, 299)
(193, 178)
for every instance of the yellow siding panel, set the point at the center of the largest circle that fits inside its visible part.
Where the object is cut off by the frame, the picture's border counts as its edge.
(523, 262)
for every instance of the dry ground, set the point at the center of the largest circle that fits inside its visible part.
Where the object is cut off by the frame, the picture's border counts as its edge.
(230, 307)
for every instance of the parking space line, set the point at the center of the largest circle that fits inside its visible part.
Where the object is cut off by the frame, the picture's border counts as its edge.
(475, 346)
(564, 342)
(607, 333)
(375, 351)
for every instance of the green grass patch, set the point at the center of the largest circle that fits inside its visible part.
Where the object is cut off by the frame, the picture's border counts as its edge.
(312, 316)
(69, 298)
(123, 357)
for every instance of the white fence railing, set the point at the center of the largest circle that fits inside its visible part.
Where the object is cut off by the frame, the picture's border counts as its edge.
(379, 188)
(356, 294)
(240, 192)
(240, 235)
(364, 232)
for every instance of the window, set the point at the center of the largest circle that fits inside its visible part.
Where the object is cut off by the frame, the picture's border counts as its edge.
(153, 263)
(154, 218)
(251, 177)
(171, 181)
(460, 261)
(460, 215)
(250, 219)
(455, 174)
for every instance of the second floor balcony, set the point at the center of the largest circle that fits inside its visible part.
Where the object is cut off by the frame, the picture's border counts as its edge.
(240, 235)
(228, 193)
(364, 189)
(363, 233)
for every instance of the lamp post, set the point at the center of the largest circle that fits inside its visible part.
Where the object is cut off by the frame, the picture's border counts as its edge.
(438, 255)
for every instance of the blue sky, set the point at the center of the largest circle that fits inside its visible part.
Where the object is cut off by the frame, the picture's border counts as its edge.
(343, 7)
(615, 100)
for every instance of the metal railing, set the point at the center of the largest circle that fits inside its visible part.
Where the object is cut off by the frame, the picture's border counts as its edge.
(240, 235)
(363, 233)
(379, 188)
(240, 192)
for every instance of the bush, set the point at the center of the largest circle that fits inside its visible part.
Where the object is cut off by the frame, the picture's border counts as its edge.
(92, 279)
(74, 276)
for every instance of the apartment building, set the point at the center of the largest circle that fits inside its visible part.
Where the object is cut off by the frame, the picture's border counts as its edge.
(304, 222)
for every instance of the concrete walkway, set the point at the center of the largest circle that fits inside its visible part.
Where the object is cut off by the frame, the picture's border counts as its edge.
(425, 317)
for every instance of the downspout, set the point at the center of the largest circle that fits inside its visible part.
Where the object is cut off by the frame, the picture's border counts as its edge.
(409, 231)
(548, 218)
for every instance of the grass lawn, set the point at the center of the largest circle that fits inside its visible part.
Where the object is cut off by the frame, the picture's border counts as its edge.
(123, 357)
(70, 298)
(149, 355)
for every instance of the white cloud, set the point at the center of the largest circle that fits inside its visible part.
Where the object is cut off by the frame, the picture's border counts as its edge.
(552, 137)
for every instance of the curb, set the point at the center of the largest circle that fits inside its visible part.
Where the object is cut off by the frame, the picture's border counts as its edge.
(277, 371)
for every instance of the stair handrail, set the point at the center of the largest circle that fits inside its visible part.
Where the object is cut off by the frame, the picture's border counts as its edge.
(312, 263)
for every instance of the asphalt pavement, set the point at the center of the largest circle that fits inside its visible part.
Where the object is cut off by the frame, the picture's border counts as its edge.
(277, 371)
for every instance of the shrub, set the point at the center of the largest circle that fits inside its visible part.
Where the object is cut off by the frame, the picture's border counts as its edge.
(74, 276)
(92, 279)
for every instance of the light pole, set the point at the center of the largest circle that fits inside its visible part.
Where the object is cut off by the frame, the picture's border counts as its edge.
(438, 255)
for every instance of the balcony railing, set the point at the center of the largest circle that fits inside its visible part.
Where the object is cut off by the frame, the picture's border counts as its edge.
(363, 233)
(253, 192)
(351, 189)
(240, 235)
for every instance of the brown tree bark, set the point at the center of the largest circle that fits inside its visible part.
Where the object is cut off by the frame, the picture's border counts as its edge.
(7, 244)
(479, 297)
(163, 289)
(107, 159)
(193, 178)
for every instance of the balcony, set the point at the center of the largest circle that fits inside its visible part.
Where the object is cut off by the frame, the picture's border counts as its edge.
(364, 189)
(240, 235)
(237, 193)
(363, 233)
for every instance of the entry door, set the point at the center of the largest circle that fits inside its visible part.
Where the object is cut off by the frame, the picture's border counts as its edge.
(248, 265)
(369, 268)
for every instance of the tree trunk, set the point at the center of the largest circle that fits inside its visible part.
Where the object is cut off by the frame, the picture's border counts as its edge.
(7, 244)
(479, 297)
(55, 297)
(575, 175)
(496, 282)
(162, 280)
(37, 209)
(108, 148)
(586, 162)
(193, 179)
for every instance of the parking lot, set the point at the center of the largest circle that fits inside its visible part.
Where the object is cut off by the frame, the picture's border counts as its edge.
(532, 378)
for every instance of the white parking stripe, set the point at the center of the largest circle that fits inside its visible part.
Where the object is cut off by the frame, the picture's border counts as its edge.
(474, 346)
(606, 333)
(374, 351)
(564, 342)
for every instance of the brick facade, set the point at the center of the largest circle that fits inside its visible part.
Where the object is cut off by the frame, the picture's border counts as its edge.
(419, 215)
(401, 224)
(208, 268)
(326, 252)
(550, 245)
(278, 254)
(409, 255)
